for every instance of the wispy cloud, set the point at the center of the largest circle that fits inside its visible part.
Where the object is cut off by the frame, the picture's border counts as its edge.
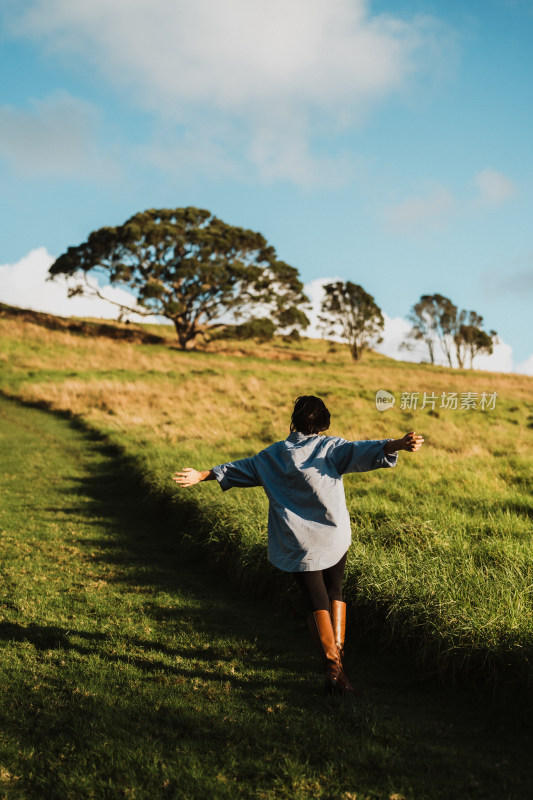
(429, 210)
(268, 76)
(494, 188)
(517, 283)
(54, 136)
(435, 206)
(510, 282)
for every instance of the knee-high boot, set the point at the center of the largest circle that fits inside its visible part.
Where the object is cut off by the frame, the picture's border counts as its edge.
(322, 631)
(337, 609)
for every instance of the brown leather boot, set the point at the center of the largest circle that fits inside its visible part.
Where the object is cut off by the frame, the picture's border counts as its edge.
(337, 610)
(322, 631)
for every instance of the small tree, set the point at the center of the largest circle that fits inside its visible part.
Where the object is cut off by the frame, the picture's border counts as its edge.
(433, 321)
(348, 309)
(471, 339)
(188, 266)
(460, 335)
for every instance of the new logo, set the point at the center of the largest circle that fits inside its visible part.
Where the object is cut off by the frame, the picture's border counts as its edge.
(384, 400)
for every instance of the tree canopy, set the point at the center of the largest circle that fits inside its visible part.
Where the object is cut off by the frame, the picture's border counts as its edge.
(348, 309)
(187, 265)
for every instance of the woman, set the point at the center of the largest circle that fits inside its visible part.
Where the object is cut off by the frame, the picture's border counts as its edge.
(308, 522)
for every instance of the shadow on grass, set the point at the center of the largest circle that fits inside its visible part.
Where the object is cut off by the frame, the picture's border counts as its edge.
(49, 638)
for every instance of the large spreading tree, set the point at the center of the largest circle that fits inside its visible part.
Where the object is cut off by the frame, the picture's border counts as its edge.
(188, 266)
(348, 310)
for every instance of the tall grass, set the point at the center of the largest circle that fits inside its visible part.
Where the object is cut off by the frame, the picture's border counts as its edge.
(441, 554)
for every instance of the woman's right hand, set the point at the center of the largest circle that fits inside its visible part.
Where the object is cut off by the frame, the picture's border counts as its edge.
(188, 476)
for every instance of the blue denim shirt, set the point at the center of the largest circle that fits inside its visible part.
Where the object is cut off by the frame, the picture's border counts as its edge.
(308, 521)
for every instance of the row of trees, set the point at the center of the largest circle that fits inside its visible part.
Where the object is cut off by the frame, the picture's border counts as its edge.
(192, 268)
(438, 323)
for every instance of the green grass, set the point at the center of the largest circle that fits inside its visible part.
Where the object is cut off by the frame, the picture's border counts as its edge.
(128, 669)
(441, 559)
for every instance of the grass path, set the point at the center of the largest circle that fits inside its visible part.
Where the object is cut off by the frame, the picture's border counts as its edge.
(128, 670)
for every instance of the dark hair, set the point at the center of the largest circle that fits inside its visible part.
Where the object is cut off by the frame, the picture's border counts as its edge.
(310, 415)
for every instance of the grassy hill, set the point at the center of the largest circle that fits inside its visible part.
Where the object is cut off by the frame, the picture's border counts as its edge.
(442, 553)
(129, 669)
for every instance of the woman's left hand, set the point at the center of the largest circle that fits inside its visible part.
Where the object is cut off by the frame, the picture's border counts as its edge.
(412, 442)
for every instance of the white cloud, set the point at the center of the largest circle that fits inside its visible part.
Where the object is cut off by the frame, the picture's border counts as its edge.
(54, 136)
(25, 284)
(394, 334)
(494, 188)
(501, 359)
(236, 53)
(277, 74)
(315, 292)
(430, 210)
(526, 367)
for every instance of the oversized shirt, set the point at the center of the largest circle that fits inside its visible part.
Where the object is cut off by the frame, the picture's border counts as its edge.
(308, 521)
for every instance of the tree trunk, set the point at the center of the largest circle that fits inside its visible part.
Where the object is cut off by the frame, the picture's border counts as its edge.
(447, 352)
(183, 332)
(459, 356)
(356, 354)
(430, 349)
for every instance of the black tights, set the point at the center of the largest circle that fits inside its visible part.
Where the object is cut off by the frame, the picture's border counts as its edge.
(322, 586)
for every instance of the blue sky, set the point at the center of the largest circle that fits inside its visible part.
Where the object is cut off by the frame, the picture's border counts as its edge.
(387, 143)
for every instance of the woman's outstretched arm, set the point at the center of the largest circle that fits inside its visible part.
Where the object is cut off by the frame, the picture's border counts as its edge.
(411, 442)
(189, 476)
(240, 473)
